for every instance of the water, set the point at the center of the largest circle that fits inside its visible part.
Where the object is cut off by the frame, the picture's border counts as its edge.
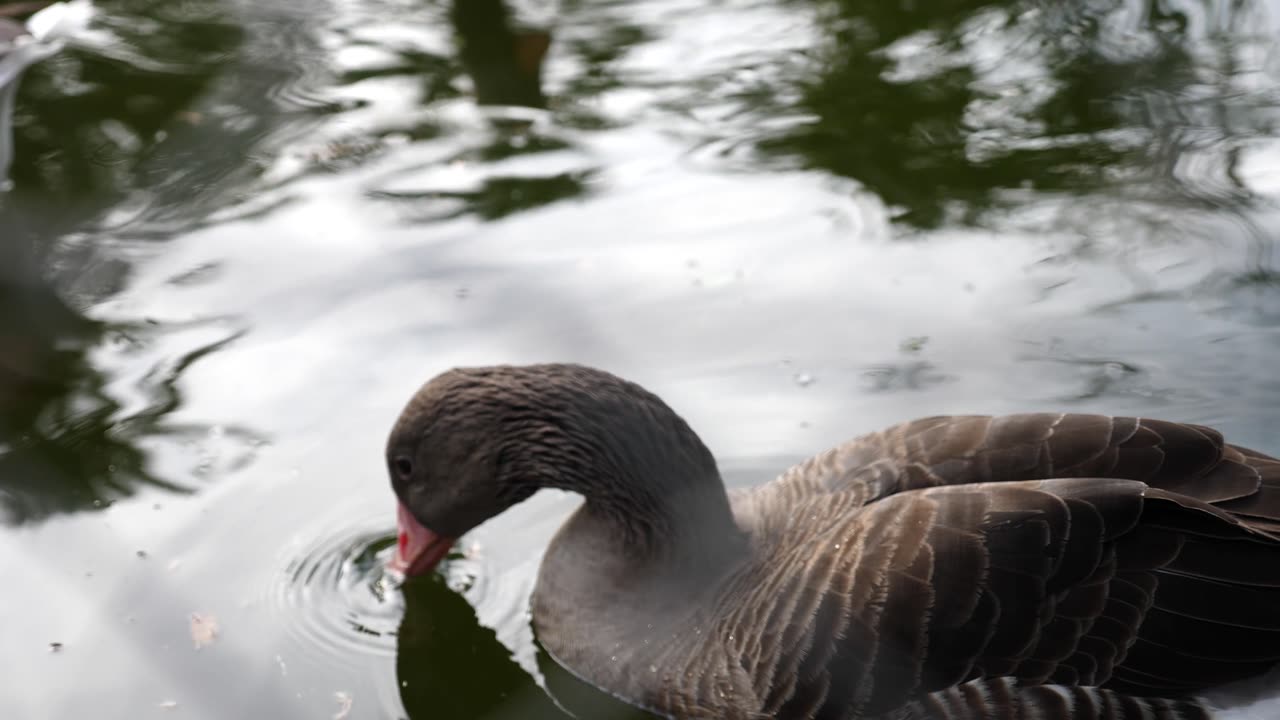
(241, 234)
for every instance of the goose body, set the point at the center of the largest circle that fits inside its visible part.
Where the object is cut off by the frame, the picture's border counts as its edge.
(1055, 566)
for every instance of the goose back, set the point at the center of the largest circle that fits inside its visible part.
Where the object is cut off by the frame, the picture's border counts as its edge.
(954, 567)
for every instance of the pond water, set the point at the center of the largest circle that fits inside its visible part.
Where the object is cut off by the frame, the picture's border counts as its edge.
(239, 235)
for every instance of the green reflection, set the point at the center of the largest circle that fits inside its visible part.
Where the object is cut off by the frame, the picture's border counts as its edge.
(953, 109)
(57, 449)
(497, 197)
(88, 118)
(87, 126)
(504, 62)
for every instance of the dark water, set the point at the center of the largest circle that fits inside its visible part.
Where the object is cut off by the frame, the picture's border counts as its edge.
(240, 234)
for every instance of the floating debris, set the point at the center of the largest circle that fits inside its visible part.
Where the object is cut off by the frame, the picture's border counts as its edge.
(204, 629)
(913, 344)
(344, 705)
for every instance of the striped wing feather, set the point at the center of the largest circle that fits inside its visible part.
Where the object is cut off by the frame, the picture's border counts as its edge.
(1083, 565)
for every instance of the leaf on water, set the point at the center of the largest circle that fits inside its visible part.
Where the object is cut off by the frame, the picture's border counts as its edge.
(344, 705)
(204, 629)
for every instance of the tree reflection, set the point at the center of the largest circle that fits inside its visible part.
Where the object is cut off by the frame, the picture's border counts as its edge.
(945, 110)
(504, 61)
(64, 446)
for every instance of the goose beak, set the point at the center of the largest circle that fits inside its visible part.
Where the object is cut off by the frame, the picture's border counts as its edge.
(418, 549)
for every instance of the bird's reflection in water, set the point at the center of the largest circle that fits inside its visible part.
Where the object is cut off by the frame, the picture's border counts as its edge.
(450, 666)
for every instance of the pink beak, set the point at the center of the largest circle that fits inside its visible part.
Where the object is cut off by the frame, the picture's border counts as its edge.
(418, 549)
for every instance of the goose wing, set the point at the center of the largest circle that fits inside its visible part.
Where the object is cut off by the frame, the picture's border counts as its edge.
(951, 450)
(1073, 550)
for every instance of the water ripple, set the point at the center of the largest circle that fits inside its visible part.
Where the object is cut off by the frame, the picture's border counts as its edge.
(336, 598)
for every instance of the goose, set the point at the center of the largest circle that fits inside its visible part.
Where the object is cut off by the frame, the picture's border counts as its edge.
(1019, 567)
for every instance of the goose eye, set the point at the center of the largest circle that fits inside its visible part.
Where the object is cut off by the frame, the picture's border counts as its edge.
(404, 467)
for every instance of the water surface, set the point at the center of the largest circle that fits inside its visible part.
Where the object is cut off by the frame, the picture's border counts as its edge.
(241, 234)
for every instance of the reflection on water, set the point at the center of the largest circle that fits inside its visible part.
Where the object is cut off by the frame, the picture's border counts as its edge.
(241, 234)
(948, 113)
(450, 666)
(338, 595)
(90, 117)
(86, 128)
(505, 63)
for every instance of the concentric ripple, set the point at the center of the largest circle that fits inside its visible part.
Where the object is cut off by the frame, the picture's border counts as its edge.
(337, 596)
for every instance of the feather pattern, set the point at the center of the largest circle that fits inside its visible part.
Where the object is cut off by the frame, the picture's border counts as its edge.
(1054, 553)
